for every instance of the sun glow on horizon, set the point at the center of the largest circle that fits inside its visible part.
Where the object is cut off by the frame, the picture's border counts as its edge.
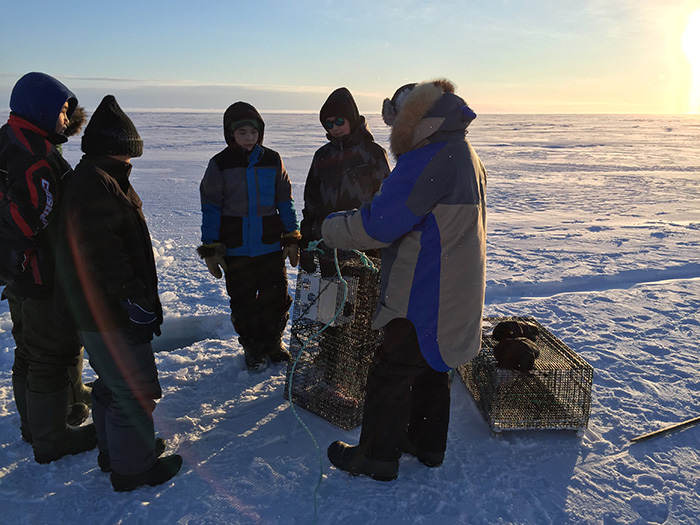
(691, 47)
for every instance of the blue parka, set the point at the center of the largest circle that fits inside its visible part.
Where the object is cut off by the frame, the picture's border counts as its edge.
(246, 196)
(429, 219)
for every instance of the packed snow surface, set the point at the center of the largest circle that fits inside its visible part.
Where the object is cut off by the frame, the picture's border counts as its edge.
(594, 230)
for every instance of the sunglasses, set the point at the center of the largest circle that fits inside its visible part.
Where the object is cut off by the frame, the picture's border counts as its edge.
(328, 124)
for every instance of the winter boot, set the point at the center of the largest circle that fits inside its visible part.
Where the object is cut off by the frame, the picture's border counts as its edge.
(277, 351)
(352, 460)
(77, 414)
(52, 438)
(429, 459)
(19, 387)
(80, 402)
(105, 464)
(273, 346)
(254, 355)
(162, 471)
(81, 392)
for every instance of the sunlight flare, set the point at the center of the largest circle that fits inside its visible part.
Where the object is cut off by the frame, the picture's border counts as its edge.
(691, 48)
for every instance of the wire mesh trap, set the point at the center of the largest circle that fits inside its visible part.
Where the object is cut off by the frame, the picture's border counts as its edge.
(556, 394)
(331, 373)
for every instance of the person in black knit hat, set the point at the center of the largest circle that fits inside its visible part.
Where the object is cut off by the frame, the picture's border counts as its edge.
(108, 275)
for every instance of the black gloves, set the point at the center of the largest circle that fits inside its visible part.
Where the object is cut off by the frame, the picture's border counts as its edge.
(516, 354)
(213, 255)
(512, 329)
(143, 320)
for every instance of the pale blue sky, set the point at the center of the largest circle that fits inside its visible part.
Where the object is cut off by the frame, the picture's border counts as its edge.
(506, 56)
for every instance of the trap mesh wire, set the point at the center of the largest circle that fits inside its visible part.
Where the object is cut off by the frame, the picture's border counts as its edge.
(556, 394)
(331, 373)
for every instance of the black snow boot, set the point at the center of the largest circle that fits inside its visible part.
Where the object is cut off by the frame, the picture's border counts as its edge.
(254, 353)
(77, 414)
(19, 387)
(277, 351)
(105, 464)
(429, 459)
(352, 460)
(52, 437)
(162, 471)
(272, 343)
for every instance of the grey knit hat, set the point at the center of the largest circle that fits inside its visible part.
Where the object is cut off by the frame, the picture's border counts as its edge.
(111, 132)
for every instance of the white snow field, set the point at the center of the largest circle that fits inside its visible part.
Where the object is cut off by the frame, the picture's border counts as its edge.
(594, 230)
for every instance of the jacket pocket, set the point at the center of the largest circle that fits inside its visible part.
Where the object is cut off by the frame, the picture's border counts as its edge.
(266, 186)
(231, 231)
(271, 229)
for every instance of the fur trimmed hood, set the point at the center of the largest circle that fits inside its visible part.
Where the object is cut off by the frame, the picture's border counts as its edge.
(429, 108)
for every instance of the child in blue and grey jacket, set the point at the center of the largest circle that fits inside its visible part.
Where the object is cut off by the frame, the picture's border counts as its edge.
(249, 227)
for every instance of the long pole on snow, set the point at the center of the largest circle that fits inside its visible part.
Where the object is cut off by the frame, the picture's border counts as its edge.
(664, 430)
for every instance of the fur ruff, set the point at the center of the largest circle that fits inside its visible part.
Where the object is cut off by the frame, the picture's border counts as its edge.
(414, 108)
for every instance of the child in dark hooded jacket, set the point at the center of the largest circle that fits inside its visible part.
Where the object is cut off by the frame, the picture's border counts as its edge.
(249, 227)
(345, 173)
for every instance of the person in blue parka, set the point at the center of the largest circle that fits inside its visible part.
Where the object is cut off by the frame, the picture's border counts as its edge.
(429, 219)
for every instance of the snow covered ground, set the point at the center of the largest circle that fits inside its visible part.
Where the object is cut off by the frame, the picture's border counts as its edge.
(594, 229)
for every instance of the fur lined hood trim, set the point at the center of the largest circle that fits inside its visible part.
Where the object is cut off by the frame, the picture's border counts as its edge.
(412, 126)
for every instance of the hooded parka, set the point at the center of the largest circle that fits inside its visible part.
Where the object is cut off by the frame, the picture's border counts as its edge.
(429, 218)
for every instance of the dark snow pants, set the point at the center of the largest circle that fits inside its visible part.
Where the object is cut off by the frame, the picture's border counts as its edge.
(405, 398)
(44, 350)
(260, 301)
(123, 399)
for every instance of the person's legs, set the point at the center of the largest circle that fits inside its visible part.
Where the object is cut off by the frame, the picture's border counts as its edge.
(20, 367)
(273, 304)
(49, 350)
(430, 418)
(124, 398)
(241, 285)
(388, 404)
(388, 400)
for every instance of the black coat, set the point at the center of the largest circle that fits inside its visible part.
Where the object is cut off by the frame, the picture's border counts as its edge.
(32, 172)
(106, 256)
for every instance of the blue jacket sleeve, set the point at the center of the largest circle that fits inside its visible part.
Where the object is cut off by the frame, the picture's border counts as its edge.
(211, 192)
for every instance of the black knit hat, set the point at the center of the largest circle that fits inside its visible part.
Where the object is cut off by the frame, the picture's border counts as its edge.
(341, 104)
(111, 132)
